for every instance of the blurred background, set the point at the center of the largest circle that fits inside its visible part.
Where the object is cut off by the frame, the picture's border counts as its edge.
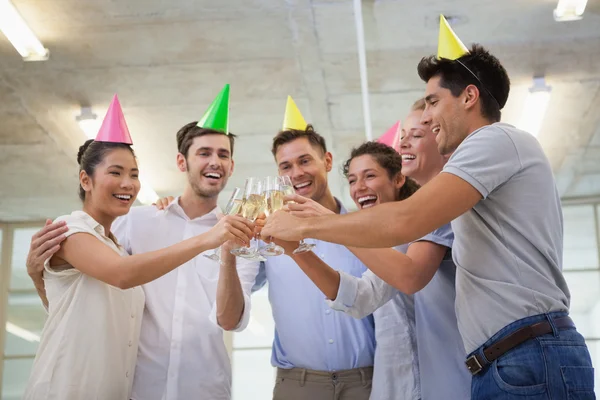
(351, 68)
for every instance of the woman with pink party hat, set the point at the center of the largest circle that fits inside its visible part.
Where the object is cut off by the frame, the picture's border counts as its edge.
(89, 343)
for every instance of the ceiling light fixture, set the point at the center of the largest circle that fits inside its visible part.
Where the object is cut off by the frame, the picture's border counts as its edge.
(88, 122)
(19, 34)
(535, 106)
(569, 10)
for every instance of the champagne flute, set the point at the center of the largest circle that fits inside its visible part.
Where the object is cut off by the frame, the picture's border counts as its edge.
(232, 208)
(273, 194)
(252, 206)
(288, 188)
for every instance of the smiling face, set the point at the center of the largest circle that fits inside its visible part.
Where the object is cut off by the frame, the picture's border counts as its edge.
(370, 183)
(114, 185)
(208, 164)
(420, 156)
(446, 116)
(306, 165)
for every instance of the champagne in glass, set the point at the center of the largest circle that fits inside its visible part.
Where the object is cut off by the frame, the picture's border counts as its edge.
(273, 193)
(288, 189)
(252, 206)
(274, 201)
(235, 207)
(232, 208)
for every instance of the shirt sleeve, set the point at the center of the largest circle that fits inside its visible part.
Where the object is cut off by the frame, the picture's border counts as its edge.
(74, 225)
(359, 297)
(120, 228)
(486, 159)
(443, 236)
(247, 271)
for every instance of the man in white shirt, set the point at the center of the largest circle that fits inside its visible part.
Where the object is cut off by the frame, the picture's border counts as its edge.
(182, 354)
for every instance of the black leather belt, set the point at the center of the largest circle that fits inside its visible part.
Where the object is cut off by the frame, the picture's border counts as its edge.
(476, 363)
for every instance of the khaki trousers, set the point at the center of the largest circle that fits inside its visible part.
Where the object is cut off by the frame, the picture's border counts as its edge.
(306, 384)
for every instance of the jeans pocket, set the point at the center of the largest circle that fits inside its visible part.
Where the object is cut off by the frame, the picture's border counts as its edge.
(521, 371)
(579, 382)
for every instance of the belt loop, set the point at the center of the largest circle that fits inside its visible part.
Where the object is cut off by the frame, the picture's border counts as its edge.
(302, 377)
(555, 330)
(363, 378)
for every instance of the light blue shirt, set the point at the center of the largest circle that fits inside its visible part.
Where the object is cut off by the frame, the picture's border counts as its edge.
(441, 351)
(439, 346)
(308, 334)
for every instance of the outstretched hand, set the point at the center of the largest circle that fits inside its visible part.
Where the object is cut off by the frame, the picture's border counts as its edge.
(300, 206)
(284, 226)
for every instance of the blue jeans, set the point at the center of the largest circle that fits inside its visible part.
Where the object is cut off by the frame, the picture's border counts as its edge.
(556, 366)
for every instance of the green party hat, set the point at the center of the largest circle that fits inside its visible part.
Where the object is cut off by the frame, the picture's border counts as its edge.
(217, 115)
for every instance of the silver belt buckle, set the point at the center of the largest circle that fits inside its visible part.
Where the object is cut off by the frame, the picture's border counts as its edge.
(473, 365)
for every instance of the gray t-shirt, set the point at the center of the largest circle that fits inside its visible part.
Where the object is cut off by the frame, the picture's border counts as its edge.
(508, 247)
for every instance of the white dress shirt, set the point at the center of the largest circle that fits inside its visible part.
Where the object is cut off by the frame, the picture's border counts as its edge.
(182, 354)
(89, 343)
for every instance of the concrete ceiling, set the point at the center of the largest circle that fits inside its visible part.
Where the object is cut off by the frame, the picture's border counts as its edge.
(167, 60)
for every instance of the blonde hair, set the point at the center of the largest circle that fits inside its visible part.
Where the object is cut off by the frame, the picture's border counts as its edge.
(418, 105)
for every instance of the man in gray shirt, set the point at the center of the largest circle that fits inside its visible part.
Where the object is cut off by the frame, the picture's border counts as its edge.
(498, 191)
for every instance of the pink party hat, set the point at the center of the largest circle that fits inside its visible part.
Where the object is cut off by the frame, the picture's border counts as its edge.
(114, 128)
(390, 137)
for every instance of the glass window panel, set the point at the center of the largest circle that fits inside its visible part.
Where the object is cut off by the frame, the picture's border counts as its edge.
(21, 241)
(16, 374)
(261, 329)
(580, 243)
(24, 324)
(585, 301)
(253, 375)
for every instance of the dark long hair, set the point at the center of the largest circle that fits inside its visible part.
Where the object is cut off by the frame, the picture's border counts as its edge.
(387, 158)
(92, 153)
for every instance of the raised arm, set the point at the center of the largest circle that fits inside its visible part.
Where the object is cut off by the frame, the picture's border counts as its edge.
(236, 279)
(352, 295)
(92, 257)
(408, 272)
(438, 202)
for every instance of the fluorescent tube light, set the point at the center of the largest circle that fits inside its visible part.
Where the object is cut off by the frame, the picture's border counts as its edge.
(19, 34)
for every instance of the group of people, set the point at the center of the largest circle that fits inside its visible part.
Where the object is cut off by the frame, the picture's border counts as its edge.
(445, 284)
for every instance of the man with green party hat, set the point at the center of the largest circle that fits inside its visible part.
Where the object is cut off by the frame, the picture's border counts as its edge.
(497, 189)
(182, 353)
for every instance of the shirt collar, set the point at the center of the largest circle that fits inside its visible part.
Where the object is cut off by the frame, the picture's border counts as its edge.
(95, 225)
(175, 208)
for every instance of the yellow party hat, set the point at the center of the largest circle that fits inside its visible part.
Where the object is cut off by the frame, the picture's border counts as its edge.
(449, 45)
(293, 119)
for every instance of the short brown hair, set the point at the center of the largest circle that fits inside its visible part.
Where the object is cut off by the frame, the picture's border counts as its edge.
(389, 159)
(186, 135)
(289, 135)
(418, 105)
